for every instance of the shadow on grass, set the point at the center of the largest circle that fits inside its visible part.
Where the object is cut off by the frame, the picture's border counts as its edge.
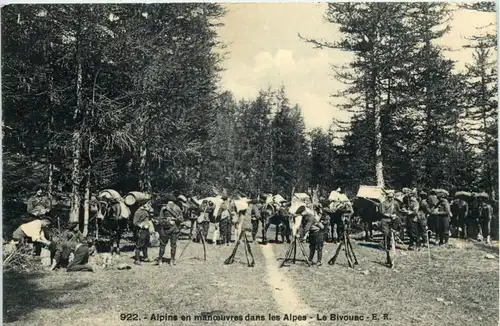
(370, 245)
(22, 295)
(488, 248)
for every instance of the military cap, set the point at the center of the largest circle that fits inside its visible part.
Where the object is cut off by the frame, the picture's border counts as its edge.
(442, 192)
(463, 194)
(47, 218)
(170, 197)
(194, 201)
(412, 192)
(389, 193)
(482, 195)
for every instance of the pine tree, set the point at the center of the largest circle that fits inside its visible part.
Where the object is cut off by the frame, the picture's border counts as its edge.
(482, 105)
(289, 147)
(377, 33)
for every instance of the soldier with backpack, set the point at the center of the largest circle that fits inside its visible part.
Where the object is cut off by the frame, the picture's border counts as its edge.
(168, 228)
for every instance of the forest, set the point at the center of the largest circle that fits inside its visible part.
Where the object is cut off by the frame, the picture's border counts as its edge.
(127, 97)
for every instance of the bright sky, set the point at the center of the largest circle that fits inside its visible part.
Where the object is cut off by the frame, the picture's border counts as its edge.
(265, 50)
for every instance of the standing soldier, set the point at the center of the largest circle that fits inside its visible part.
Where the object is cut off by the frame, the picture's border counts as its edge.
(413, 224)
(142, 227)
(225, 223)
(203, 220)
(314, 227)
(443, 213)
(170, 219)
(284, 216)
(255, 218)
(460, 212)
(485, 215)
(432, 219)
(390, 210)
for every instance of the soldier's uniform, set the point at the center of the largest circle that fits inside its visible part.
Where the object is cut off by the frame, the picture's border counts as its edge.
(444, 215)
(225, 225)
(284, 217)
(413, 225)
(38, 205)
(485, 215)
(255, 218)
(73, 233)
(460, 213)
(391, 211)
(327, 211)
(142, 237)
(80, 259)
(315, 228)
(170, 219)
(432, 217)
(203, 220)
(32, 232)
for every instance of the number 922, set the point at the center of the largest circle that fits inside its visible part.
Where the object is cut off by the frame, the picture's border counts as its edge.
(129, 317)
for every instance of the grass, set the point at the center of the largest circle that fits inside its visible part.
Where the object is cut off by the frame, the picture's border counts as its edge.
(409, 293)
(195, 287)
(192, 287)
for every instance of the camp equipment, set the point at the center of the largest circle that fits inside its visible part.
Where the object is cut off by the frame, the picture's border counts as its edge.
(137, 198)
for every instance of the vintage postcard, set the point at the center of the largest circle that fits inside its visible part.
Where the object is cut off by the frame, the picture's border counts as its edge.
(250, 163)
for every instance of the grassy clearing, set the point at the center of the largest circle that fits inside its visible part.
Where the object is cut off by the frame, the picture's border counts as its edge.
(194, 287)
(409, 293)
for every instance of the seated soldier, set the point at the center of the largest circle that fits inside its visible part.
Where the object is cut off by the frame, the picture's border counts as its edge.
(81, 256)
(74, 232)
(39, 204)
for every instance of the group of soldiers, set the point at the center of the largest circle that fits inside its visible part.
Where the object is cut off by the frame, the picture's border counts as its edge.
(71, 241)
(465, 215)
(419, 213)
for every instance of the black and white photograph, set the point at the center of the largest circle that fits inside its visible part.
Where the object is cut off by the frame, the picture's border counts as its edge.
(249, 163)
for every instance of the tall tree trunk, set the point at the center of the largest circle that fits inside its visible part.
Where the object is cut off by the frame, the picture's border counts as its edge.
(77, 148)
(144, 174)
(86, 202)
(50, 185)
(75, 178)
(143, 182)
(86, 205)
(50, 149)
(379, 166)
(486, 156)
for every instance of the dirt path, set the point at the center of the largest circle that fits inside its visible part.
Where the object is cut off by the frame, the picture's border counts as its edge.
(284, 294)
